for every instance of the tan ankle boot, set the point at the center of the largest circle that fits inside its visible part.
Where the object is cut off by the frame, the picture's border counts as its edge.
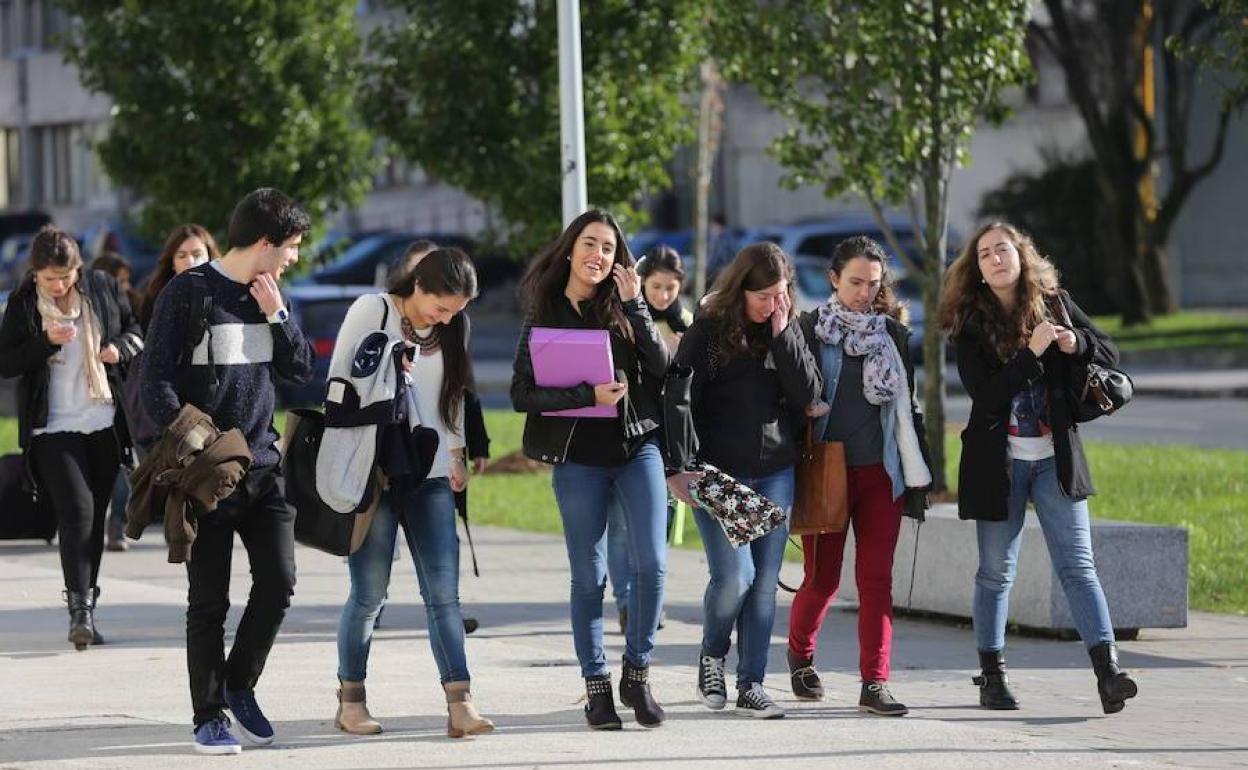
(353, 716)
(462, 717)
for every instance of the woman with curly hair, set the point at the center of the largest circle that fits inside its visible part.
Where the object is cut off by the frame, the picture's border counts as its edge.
(1021, 341)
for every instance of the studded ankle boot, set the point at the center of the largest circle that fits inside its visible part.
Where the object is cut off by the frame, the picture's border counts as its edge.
(635, 694)
(600, 703)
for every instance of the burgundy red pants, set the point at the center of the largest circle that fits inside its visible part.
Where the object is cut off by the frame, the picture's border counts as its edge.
(876, 519)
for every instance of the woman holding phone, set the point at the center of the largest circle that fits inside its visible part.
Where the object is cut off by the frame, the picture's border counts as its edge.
(66, 333)
(586, 280)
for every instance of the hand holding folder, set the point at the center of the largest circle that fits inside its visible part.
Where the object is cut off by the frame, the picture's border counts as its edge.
(565, 358)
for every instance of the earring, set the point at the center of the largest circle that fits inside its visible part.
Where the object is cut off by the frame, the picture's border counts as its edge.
(983, 280)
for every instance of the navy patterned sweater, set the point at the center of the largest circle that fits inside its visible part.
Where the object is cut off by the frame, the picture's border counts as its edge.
(247, 352)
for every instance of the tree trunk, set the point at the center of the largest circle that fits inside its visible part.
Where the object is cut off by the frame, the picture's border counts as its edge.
(1157, 279)
(933, 337)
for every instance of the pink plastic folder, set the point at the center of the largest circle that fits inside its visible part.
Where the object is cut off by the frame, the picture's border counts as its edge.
(564, 358)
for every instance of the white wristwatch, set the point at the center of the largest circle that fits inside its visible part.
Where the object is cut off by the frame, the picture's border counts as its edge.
(278, 316)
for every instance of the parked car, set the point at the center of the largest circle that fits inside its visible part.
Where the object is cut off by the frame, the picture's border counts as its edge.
(319, 311)
(367, 261)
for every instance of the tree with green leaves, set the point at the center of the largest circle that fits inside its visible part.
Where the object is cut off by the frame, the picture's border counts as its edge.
(469, 91)
(214, 99)
(881, 101)
(1109, 53)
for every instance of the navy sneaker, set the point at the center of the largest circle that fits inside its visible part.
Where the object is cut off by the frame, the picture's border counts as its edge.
(251, 721)
(215, 738)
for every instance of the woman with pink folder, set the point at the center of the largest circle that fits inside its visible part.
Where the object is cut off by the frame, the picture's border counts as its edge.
(586, 281)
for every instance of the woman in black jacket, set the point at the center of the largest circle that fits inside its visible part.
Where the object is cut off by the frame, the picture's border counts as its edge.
(1018, 359)
(587, 280)
(752, 377)
(66, 333)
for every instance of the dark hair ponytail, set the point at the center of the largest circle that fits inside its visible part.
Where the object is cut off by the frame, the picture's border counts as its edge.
(446, 272)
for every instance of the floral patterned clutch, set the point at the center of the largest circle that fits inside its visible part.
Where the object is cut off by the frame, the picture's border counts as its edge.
(744, 514)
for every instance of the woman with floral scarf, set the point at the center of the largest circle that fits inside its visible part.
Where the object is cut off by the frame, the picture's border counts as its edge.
(868, 405)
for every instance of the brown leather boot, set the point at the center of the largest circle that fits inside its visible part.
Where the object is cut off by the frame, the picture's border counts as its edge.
(461, 715)
(353, 716)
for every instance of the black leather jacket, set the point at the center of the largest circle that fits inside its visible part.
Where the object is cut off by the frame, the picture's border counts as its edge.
(644, 359)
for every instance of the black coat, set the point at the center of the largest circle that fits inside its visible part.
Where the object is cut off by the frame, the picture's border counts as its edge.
(984, 474)
(743, 413)
(644, 360)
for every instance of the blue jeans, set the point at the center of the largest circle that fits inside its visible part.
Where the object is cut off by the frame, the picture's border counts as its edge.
(584, 494)
(742, 589)
(619, 568)
(428, 520)
(1064, 522)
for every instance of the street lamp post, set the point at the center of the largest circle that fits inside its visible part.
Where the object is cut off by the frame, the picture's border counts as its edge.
(571, 111)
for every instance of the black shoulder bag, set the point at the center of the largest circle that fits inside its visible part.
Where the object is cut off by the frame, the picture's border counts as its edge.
(1095, 390)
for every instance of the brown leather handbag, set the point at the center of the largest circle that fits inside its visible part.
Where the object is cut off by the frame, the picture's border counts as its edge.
(821, 502)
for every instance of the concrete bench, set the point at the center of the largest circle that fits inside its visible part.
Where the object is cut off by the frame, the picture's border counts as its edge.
(1143, 570)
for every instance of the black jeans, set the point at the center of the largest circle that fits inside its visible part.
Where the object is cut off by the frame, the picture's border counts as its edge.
(76, 471)
(257, 511)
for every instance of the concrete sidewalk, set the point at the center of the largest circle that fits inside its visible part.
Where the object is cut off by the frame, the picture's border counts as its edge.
(125, 704)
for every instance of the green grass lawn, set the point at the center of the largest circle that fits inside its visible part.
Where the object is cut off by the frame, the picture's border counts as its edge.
(1185, 329)
(1205, 490)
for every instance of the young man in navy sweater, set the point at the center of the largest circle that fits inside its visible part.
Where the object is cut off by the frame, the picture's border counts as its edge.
(249, 339)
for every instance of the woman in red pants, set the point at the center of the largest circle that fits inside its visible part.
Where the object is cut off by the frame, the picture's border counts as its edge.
(868, 405)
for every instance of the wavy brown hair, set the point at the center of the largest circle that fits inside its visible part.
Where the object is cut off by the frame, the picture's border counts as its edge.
(756, 267)
(886, 302)
(162, 274)
(543, 284)
(966, 293)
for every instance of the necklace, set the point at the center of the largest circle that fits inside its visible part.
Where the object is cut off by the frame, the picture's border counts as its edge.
(427, 342)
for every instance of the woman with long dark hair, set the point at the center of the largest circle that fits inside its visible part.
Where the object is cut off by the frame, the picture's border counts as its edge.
(1021, 340)
(586, 280)
(752, 379)
(66, 334)
(425, 308)
(186, 246)
(868, 405)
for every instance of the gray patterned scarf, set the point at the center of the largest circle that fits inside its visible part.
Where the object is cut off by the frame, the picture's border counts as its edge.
(864, 334)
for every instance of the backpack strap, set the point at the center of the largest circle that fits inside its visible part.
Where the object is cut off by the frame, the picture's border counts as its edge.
(201, 326)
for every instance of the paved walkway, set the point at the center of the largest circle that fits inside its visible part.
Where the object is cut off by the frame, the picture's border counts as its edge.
(125, 704)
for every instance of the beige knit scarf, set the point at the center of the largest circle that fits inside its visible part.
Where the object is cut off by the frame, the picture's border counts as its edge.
(93, 367)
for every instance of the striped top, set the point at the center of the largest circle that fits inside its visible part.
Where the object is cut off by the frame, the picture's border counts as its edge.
(247, 353)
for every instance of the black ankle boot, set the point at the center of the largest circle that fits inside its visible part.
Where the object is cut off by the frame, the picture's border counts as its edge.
(994, 685)
(81, 626)
(600, 708)
(93, 596)
(1113, 684)
(635, 694)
